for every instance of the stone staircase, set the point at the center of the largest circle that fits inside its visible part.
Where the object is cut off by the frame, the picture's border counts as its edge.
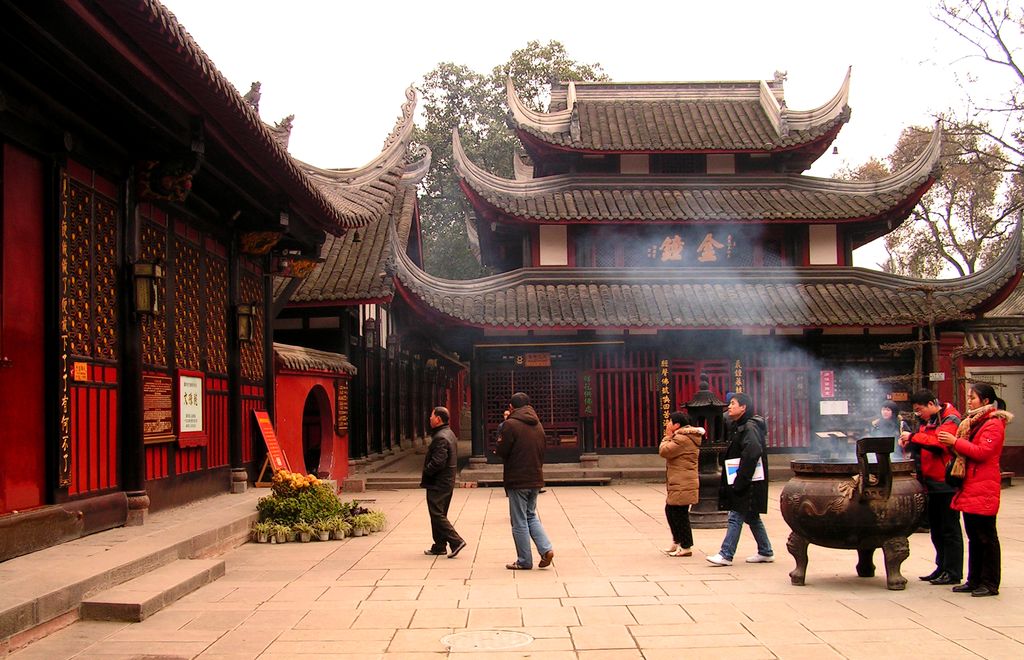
(147, 594)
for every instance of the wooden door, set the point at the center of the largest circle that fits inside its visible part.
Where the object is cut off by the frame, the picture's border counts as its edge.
(22, 425)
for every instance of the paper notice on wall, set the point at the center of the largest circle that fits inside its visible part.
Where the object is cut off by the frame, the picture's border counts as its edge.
(732, 466)
(835, 408)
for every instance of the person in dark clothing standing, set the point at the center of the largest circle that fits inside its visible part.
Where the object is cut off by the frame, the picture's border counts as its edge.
(521, 447)
(439, 469)
(746, 496)
(943, 520)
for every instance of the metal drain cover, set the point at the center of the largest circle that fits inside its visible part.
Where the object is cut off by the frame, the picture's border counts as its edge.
(485, 640)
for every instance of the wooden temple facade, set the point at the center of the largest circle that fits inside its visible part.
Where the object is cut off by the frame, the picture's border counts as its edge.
(144, 208)
(655, 232)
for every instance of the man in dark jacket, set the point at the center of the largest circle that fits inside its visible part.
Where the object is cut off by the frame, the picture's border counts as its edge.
(521, 447)
(744, 488)
(439, 468)
(943, 520)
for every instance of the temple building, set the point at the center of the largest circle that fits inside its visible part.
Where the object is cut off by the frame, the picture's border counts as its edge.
(145, 208)
(654, 232)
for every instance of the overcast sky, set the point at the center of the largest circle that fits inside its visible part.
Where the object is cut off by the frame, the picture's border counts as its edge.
(342, 67)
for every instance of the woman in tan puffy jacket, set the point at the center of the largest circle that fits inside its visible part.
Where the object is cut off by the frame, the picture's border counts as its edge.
(680, 448)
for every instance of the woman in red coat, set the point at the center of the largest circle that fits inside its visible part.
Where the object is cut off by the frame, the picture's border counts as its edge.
(980, 441)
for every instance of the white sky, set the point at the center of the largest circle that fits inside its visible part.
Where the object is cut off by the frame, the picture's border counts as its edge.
(342, 67)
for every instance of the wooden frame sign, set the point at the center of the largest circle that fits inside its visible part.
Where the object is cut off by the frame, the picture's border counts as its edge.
(157, 408)
(188, 412)
(276, 460)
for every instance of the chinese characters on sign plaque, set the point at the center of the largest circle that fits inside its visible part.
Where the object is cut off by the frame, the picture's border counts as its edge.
(587, 394)
(157, 408)
(664, 396)
(709, 250)
(828, 384)
(341, 407)
(191, 432)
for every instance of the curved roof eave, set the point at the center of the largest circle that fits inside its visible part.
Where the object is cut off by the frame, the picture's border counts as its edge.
(783, 119)
(394, 151)
(925, 162)
(876, 291)
(802, 120)
(157, 32)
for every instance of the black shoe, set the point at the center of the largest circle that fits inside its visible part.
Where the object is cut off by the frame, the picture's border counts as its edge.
(965, 588)
(456, 549)
(945, 578)
(931, 576)
(981, 592)
(431, 551)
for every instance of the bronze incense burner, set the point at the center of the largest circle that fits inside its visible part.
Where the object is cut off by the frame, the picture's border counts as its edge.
(860, 506)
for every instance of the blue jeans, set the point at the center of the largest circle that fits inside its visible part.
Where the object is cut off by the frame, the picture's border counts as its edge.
(732, 534)
(522, 510)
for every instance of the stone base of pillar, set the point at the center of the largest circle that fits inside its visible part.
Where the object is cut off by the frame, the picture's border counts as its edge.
(588, 461)
(239, 481)
(138, 508)
(476, 463)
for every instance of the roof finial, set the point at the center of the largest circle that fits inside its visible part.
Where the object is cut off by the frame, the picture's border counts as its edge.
(252, 97)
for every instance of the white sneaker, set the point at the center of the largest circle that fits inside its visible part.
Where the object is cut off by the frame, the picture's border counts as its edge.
(719, 560)
(760, 559)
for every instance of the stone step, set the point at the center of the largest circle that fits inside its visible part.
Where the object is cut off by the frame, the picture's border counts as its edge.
(392, 483)
(147, 594)
(553, 481)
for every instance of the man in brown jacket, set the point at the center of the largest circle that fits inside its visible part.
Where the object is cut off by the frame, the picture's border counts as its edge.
(521, 447)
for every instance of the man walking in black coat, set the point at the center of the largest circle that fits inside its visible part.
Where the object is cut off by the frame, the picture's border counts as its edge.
(744, 488)
(439, 469)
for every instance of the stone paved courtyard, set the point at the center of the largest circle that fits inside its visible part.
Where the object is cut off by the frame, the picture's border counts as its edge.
(609, 594)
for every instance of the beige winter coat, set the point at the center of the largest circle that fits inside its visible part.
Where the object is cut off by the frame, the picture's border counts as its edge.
(681, 451)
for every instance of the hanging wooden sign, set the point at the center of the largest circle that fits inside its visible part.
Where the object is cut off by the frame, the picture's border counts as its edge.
(276, 459)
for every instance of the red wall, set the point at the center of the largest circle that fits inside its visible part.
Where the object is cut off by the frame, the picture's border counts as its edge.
(291, 393)
(22, 432)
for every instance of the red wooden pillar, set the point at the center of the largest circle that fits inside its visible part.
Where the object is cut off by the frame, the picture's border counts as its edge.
(948, 343)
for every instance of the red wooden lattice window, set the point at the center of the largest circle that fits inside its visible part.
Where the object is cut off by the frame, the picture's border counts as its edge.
(626, 395)
(777, 382)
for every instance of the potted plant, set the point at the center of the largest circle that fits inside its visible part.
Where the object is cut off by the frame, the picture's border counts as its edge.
(361, 524)
(281, 533)
(304, 531)
(377, 521)
(323, 529)
(261, 531)
(341, 528)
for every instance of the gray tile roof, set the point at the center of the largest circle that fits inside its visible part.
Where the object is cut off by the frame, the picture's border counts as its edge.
(666, 198)
(300, 358)
(1008, 342)
(695, 298)
(354, 271)
(617, 198)
(646, 117)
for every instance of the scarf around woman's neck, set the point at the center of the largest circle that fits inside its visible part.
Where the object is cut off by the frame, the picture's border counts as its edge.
(972, 418)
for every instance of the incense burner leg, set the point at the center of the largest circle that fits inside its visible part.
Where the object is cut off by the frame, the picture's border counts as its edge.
(797, 546)
(866, 562)
(896, 550)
